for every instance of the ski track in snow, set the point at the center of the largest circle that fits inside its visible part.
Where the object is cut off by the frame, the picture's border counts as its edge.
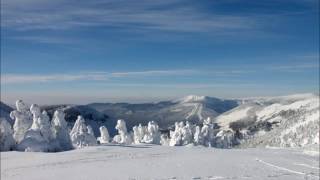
(306, 165)
(286, 169)
(195, 111)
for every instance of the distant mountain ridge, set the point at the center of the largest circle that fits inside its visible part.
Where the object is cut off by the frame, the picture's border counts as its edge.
(190, 108)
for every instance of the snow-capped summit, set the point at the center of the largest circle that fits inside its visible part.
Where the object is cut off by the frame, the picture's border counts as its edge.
(192, 99)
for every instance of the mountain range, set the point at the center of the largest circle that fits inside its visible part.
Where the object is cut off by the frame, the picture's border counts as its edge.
(268, 121)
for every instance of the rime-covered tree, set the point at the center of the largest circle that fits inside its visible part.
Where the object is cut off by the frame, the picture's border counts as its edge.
(224, 139)
(164, 140)
(153, 135)
(104, 135)
(80, 136)
(207, 132)
(38, 137)
(186, 133)
(60, 131)
(139, 133)
(197, 137)
(6, 136)
(176, 135)
(123, 136)
(23, 120)
(45, 126)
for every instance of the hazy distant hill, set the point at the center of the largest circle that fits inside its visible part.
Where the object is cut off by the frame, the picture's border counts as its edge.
(192, 108)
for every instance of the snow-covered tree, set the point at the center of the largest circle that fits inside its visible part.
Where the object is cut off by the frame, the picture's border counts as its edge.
(41, 121)
(90, 130)
(104, 138)
(198, 138)
(23, 120)
(80, 136)
(60, 131)
(176, 135)
(207, 132)
(224, 139)
(123, 136)
(45, 126)
(136, 136)
(6, 136)
(187, 134)
(38, 137)
(164, 140)
(153, 135)
(139, 133)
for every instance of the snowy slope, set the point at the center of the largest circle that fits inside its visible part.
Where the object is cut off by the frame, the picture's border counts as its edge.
(279, 121)
(161, 163)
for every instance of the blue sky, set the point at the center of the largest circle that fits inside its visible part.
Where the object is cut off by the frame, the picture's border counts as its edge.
(68, 51)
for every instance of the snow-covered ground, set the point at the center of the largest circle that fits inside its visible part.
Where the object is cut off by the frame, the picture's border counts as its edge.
(160, 162)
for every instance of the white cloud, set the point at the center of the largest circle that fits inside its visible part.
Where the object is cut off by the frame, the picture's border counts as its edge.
(27, 78)
(294, 67)
(103, 76)
(176, 16)
(94, 76)
(154, 73)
